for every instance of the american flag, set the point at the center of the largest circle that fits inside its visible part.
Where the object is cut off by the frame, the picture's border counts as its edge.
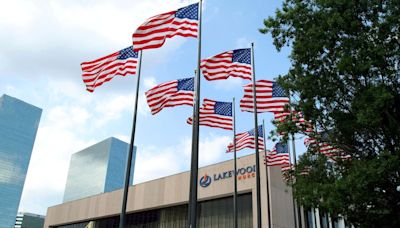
(287, 167)
(270, 97)
(216, 114)
(152, 34)
(279, 156)
(96, 72)
(170, 94)
(236, 63)
(324, 147)
(286, 172)
(297, 118)
(309, 141)
(247, 140)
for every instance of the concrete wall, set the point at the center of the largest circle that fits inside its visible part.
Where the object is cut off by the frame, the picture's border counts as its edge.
(174, 190)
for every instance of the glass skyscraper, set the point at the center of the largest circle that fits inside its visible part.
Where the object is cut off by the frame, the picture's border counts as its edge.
(97, 169)
(19, 122)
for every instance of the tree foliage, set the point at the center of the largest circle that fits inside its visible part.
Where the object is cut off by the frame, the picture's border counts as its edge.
(345, 57)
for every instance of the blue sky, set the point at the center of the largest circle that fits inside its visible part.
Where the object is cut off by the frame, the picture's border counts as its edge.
(44, 43)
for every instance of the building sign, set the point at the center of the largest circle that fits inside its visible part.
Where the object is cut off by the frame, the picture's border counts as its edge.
(242, 174)
(205, 181)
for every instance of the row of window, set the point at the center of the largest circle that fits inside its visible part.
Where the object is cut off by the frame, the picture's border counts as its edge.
(216, 213)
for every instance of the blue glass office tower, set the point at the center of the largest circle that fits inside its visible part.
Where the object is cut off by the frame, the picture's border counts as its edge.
(19, 122)
(97, 169)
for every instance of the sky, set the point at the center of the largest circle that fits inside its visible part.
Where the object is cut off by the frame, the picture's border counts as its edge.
(43, 44)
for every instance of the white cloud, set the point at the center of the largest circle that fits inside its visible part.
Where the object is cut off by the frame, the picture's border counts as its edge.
(69, 124)
(149, 82)
(49, 162)
(112, 108)
(212, 148)
(62, 88)
(230, 84)
(68, 116)
(10, 89)
(124, 138)
(18, 13)
(80, 30)
(55, 36)
(153, 162)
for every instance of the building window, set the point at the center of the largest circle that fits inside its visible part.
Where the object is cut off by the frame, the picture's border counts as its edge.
(216, 213)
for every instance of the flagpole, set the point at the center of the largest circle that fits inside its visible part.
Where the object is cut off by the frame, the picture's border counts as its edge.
(192, 213)
(267, 176)
(235, 209)
(298, 217)
(131, 146)
(258, 188)
(293, 200)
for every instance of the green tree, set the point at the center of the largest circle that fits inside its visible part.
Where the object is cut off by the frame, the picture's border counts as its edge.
(345, 57)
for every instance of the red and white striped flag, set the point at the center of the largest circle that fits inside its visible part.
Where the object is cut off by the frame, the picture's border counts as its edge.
(326, 148)
(171, 94)
(269, 95)
(96, 72)
(279, 156)
(216, 114)
(287, 167)
(297, 118)
(286, 172)
(309, 141)
(236, 63)
(247, 140)
(153, 33)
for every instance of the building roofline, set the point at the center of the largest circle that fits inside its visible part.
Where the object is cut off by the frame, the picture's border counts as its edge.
(157, 179)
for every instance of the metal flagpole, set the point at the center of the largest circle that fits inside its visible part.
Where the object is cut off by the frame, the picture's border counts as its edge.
(298, 217)
(294, 202)
(131, 145)
(235, 208)
(192, 215)
(267, 176)
(258, 189)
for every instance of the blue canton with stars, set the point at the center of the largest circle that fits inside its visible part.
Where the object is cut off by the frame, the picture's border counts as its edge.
(186, 84)
(127, 53)
(223, 108)
(277, 91)
(260, 131)
(281, 148)
(189, 12)
(242, 56)
(326, 135)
